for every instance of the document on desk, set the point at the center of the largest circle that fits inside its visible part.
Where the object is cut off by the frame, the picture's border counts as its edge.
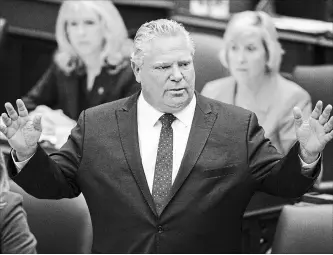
(303, 25)
(55, 124)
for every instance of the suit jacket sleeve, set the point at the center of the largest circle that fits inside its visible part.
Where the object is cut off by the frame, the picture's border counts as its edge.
(57, 178)
(273, 173)
(15, 234)
(44, 92)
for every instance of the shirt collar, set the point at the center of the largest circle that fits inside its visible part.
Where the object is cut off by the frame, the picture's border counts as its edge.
(185, 116)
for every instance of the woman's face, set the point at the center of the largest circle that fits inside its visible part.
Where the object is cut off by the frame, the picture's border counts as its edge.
(247, 56)
(85, 32)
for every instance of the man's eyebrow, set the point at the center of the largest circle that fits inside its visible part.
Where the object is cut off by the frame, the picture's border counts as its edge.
(170, 62)
(185, 60)
(162, 63)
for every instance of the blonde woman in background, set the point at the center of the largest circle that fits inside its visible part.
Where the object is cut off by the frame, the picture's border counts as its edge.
(15, 236)
(91, 65)
(252, 53)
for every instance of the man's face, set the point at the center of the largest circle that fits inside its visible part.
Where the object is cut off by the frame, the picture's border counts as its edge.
(167, 75)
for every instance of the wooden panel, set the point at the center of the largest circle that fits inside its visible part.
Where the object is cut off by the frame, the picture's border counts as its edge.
(310, 9)
(40, 15)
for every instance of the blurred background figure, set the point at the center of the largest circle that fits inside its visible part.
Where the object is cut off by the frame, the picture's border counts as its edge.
(91, 66)
(252, 53)
(15, 235)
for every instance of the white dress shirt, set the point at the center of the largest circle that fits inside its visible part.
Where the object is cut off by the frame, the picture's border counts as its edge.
(149, 128)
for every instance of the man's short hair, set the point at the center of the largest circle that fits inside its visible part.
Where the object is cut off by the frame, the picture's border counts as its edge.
(150, 30)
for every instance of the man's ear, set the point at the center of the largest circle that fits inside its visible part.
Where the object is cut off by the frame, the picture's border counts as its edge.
(136, 70)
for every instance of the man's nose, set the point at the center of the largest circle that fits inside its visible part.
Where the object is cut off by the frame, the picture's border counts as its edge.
(176, 74)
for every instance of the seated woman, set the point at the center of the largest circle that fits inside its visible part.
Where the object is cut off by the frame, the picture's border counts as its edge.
(91, 65)
(15, 236)
(252, 53)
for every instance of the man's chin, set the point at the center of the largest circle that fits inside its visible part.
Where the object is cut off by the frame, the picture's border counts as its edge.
(177, 104)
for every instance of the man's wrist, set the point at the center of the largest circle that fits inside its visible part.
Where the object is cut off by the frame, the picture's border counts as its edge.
(24, 156)
(307, 157)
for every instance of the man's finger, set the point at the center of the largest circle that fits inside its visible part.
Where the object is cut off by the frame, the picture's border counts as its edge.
(329, 136)
(325, 115)
(298, 116)
(11, 111)
(37, 122)
(22, 110)
(328, 125)
(3, 129)
(6, 120)
(317, 110)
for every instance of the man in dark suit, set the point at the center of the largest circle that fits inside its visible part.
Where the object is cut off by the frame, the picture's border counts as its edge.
(165, 170)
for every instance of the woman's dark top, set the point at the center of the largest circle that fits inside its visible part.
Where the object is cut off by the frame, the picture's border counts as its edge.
(59, 90)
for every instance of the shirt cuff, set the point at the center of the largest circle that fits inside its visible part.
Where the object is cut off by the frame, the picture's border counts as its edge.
(19, 164)
(307, 169)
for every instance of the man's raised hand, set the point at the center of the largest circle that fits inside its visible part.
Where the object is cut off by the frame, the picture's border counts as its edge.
(313, 134)
(21, 131)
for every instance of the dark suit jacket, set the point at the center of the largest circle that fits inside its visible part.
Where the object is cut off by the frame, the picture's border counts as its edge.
(58, 90)
(15, 236)
(226, 160)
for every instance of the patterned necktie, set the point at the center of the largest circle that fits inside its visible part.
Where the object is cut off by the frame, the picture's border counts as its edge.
(163, 168)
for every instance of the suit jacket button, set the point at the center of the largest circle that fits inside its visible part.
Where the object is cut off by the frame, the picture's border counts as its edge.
(160, 229)
(100, 90)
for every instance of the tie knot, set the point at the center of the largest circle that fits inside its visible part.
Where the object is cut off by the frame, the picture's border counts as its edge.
(167, 119)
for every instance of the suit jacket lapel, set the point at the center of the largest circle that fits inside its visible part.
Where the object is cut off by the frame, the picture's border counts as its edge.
(202, 124)
(128, 129)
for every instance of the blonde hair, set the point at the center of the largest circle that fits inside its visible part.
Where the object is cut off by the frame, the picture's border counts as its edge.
(257, 19)
(117, 47)
(150, 30)
(4, 183)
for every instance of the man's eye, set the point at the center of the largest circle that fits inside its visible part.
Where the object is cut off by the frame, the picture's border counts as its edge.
(185, 64)
(162, 67)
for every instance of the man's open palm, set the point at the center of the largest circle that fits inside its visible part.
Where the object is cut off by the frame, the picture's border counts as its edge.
(314, 133)
(21, 131)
